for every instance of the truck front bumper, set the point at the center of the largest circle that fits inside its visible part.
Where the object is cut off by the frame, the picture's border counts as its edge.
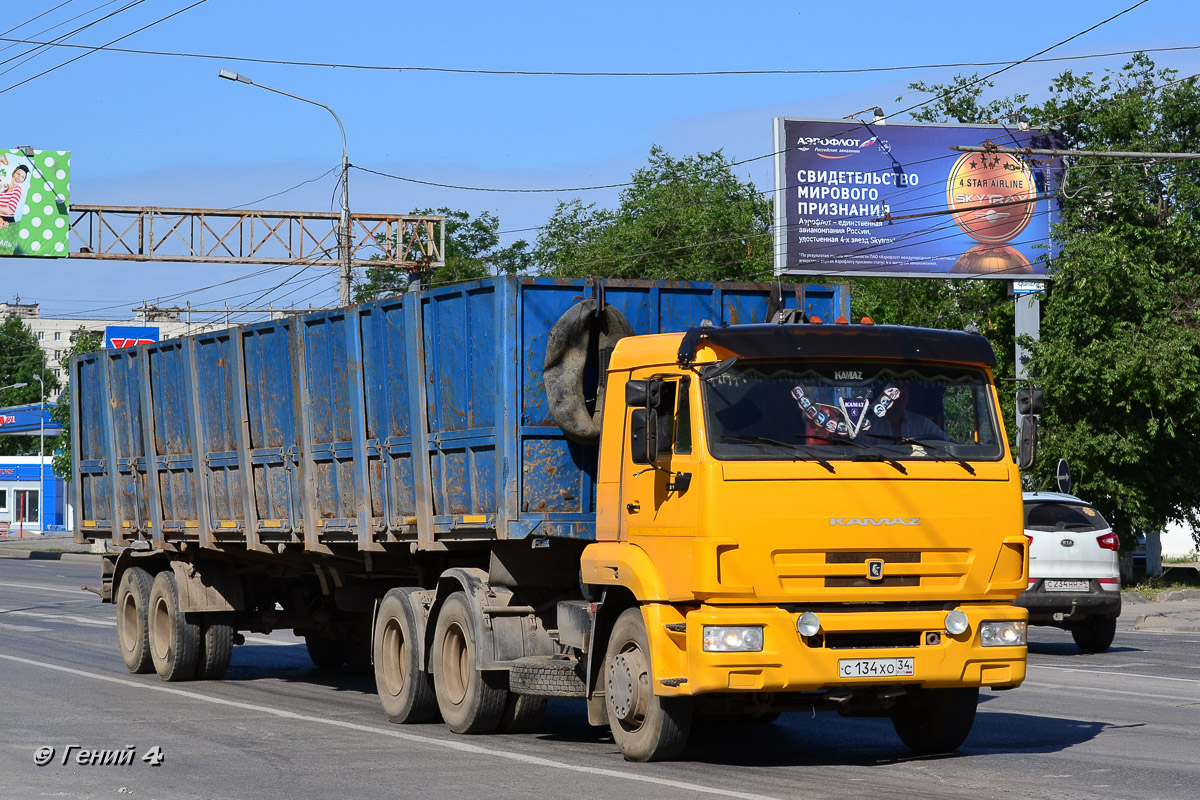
(790, 662)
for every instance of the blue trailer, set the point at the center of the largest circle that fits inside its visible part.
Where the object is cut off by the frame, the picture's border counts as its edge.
(355, 474)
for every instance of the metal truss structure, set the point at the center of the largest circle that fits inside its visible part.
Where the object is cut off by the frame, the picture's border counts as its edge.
(226, 236)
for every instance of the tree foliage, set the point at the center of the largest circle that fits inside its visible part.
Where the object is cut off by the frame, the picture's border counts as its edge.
(680, 219)
(21, 362)
(82, 341)
(472, 251)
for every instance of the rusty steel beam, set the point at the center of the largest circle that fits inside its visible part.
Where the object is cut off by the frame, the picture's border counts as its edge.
(223, 236)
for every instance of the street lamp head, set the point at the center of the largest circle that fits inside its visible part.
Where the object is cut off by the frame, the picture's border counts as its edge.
(14, 386)
(230, 75)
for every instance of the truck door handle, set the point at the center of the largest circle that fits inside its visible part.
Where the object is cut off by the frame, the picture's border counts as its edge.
(633, 507)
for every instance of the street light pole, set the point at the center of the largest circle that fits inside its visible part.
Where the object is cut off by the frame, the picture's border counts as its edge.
(344, 234)
(42, 446)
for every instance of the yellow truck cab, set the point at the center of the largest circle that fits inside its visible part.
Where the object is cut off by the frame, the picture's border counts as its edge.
(804, 517)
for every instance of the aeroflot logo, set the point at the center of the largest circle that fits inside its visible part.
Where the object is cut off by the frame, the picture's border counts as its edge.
(875, 521)
(826, 148)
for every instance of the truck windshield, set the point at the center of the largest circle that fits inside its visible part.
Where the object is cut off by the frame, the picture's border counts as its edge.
(851, 411)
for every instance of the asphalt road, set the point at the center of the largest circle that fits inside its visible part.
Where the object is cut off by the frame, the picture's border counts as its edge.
(1121, 724)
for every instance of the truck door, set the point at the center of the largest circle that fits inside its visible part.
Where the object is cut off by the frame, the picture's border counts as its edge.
(659, 500)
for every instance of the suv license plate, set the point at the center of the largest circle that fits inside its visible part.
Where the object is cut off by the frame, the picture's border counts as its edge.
(874, 667)
(1066, 586)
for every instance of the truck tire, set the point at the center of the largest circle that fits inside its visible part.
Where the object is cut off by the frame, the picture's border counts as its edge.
(522, 713)
(1096, 634)
(216, 649)
(645, 726)
(935, 720)
(174, 640)
(471, 700)
(405, 689)
(326, 652)
(133, 634)
(546, 676)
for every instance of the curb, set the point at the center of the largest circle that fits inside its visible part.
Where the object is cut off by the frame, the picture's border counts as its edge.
(50, 555)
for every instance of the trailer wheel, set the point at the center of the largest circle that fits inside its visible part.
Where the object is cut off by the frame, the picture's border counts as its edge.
(133, 635)
(405, 689)
(522, 713)
(645, 726)
(471, 700)
(174, 640)
(216, 649)
(935, 720)
(326, 652)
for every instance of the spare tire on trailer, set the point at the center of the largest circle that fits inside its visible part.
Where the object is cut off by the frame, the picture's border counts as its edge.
(567, 347)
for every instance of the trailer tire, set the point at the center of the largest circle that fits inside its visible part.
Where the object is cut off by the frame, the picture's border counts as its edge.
(471, 700)
(174, 639)
(405, 689)
(216, 650)
(522, 713)
(326, 652)
(935, 720)
(567, 346)
(645, 726)
(133, 633)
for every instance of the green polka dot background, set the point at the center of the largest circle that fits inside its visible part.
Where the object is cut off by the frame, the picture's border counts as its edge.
(35, 196)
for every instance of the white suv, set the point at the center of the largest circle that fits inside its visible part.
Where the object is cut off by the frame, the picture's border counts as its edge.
(1074, 580)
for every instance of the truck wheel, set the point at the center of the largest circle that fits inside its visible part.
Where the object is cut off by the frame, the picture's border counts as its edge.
(935, 720)
(405, 689)
(326, 652)
(471, 700)
(174, 641)
(133, 635)
(645, 726)
(522, 713)
(216, 650)
(1096, 634)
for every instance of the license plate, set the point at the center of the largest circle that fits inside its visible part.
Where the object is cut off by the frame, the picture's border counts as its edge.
(1066, 586)
(874, 667)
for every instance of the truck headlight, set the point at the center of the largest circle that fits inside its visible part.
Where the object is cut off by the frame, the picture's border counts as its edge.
(1002, 634)
(957, 622)
(808, 624)
(727, 639)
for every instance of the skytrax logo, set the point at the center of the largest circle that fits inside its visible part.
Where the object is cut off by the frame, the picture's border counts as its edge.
(871, 522)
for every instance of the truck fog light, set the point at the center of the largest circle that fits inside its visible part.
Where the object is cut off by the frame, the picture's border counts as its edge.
(1002, 634)
(957, 622)
(728, 639)
(808, 624)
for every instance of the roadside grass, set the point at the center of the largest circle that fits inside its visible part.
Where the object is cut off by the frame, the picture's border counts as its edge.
(1173, 577)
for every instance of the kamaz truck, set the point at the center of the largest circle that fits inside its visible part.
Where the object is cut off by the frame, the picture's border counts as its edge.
(666, 500)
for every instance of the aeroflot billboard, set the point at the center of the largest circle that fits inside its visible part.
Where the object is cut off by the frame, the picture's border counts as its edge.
(855, 198)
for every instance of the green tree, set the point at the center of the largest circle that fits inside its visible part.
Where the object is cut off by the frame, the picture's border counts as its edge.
(21, 362)
(680, 219)
(82, 341)
(472, 251)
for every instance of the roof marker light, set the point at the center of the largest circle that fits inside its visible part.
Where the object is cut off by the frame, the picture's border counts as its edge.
(868, 321)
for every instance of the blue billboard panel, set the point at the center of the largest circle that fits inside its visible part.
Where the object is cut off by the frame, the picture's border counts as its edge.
(856, 198)
(118, 336)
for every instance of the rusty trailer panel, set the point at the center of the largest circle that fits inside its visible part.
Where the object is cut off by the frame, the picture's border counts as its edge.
(417, 420)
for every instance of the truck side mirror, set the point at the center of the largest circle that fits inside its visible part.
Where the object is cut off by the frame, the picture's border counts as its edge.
(1029, 401)
(643, 436)
(1027, 443)
(644, 394)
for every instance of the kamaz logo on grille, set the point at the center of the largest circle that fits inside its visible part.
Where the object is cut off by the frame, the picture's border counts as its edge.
(875, 569)
(874, 521)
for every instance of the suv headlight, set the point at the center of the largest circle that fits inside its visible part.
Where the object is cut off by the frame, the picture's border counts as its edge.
(728, 639)
(1002, 634)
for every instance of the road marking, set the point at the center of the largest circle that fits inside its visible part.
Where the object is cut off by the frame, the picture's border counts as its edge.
(1123, 674)
(448, 744)
(77, 592)
(22, 628)
(1140, 695)
(68, 618)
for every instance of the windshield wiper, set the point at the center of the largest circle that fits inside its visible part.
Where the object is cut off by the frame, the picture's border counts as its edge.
(875, 455)
(792, 448)
(938, 446)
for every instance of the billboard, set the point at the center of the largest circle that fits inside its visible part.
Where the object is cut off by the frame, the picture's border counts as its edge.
(866, 199)
(35, 189)
(118, 336)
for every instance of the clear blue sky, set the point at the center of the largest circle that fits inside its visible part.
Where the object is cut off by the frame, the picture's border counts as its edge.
(149, 130)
